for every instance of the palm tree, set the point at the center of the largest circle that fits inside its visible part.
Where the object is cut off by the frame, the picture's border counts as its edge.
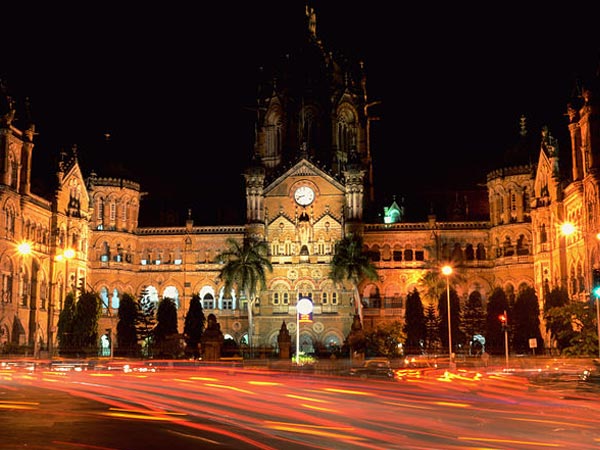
(351, 263)
(245, 270)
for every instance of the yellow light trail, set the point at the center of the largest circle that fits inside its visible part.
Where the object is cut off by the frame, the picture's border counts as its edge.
(232, 388)
(317, 408)
(19, 403)
(308, 399)
(16, 405)
(141, 414)
(265, 383)
(345, 391)
(455, 405)
(314, 430)
(135, 416)
(509, 441)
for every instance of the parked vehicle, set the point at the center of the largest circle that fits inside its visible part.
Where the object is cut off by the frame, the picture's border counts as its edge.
(373, 368)
(591, 375)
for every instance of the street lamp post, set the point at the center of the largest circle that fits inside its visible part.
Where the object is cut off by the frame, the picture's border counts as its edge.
(24, 249)
(304, 307)
(447, 271)
(504, 320)
(68, 254)
(65, 256)
(51, 299)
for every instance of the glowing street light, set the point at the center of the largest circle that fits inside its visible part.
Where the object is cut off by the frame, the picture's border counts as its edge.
(447, 271)
(24, 248)
(567, 229)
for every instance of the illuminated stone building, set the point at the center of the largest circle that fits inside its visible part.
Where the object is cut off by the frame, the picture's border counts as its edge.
(309, 183)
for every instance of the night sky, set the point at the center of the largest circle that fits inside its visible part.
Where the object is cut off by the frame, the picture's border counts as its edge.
(173, 84)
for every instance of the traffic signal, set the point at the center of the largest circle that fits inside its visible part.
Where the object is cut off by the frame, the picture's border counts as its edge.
(503, 319)
(596, 282)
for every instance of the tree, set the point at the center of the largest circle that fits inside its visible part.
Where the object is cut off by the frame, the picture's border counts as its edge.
(351, 263)
(433, 283)
(415, 326)
(526, 320)
(193, 327)
(85, 327)
(66, 322)
(497, 305)
(433, 326)
(385, 339)
(560, 330)
(458, 338)
(127, 338)
(145, 321)
(165, 332)
(473, 318)
(577, 328)
(245, 266)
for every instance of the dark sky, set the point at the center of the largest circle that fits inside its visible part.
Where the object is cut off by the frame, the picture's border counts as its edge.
(173, 83)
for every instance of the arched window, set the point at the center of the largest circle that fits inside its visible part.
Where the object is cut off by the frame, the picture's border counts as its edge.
(115, 302)
(150, 298)
(173, 293)
(104, 301)
(522, 245)
(469, 252)
(13, 172)
(346, 130)
(457, 254)
(480, 252)
(274, 135)
(208, 301)
(507, 247)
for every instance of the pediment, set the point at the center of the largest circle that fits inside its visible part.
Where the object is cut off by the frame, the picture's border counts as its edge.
(73, 197)
(302, 169)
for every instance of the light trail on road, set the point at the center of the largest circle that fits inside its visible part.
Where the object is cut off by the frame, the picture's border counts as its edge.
(441, 411)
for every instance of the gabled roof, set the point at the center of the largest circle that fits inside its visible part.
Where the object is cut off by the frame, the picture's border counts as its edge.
(303, 168)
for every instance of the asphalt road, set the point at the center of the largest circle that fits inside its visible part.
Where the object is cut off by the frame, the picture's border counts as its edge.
(236, 408)
(44, 419)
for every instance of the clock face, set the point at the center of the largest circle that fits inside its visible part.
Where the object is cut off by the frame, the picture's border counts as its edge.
(304, 195)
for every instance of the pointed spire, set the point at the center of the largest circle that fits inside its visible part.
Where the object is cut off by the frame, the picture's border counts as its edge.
(523, 128)
(311, 17)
